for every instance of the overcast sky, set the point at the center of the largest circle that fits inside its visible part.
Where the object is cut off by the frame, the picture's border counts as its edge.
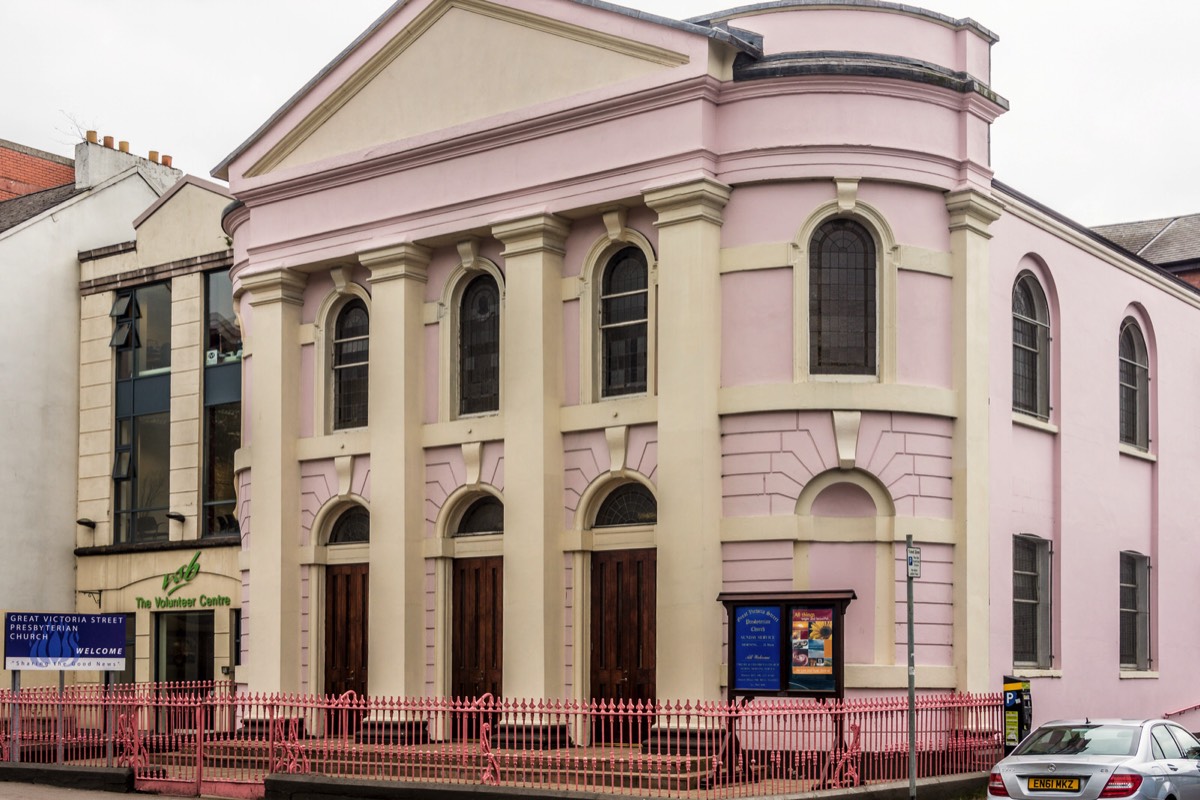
(1103, 127)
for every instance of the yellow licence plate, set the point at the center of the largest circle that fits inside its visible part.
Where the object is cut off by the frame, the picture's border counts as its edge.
(1054, 784)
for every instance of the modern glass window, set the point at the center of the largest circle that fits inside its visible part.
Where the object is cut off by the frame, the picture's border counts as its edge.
(351, 348)
(224, 332)
(1134, 379)
(479, 347)
(842, 300)
(628, 504)
(353, 526)
(141, 343)
(485, 515)
(222, 408)
(1031, 348)
(1031, 601)
(624, 323)
(1135, 611)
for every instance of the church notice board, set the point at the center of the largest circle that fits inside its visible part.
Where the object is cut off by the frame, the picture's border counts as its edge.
(786, 644)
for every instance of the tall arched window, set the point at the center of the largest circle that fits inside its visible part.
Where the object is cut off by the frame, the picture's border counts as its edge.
(485, 515)
(624, 316)
(842, 292)
(353, 526)
(1031, 348)
(1134, 378)
(628, 504)
(479, 347)
(351, 348)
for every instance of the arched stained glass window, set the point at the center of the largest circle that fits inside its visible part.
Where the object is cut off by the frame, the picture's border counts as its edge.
(351, 349)
(353, 526)
(842, 300)
(485, 515)
(624, 315)
(479, 347)
(628, 504)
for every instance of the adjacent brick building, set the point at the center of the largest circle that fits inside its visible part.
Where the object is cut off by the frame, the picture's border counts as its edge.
(25, 170)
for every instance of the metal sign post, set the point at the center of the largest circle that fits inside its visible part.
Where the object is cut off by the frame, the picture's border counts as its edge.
(914, 571)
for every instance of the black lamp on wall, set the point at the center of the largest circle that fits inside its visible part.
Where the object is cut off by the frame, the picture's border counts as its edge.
(85, 522)
(175, 515)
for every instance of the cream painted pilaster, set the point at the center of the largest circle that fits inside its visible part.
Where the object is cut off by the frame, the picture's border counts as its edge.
(396, 655)
(533, 490)
(689, 438)
(971, 213)
(273, 615)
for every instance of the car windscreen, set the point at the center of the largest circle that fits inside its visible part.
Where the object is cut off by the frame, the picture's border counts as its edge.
(1091, 740)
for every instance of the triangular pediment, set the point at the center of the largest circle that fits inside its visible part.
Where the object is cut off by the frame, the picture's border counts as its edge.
(185, 222)
(459, 61)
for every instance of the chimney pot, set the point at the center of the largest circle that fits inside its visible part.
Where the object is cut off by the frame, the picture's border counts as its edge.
(91, 136)
(123, 147)
(154, 156)
(108, 142)
(166, 160)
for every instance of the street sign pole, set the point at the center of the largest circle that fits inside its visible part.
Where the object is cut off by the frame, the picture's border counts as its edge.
(913, 557)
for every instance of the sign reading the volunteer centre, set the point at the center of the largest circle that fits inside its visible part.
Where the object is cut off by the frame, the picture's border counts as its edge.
(35, 641)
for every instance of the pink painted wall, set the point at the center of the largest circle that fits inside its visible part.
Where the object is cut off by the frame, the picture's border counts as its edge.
(445, 472)
(569, 601)
(925, 338)
(756, 327)
(1076, 485)
(849, 565)
(586, 460)
(768, 458)
(933, 606)
(319, 485)
(430, 625)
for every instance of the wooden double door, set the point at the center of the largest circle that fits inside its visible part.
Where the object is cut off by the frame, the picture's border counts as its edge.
(346, 626)
(477, 627)
(624, 599)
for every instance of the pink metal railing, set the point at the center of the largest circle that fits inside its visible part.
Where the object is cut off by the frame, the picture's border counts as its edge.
(193, 738)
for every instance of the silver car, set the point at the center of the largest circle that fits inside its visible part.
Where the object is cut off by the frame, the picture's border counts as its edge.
(1152, 759)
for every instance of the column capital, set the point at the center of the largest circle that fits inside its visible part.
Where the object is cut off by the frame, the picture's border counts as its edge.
(542, 232)
(405, 261)
(700, 199)
(972, 210)
(276, 286)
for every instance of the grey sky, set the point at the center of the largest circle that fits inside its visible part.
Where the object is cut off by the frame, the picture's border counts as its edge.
(1103, 126)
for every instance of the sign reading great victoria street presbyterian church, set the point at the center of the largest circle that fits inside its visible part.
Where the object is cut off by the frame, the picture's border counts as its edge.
(172, 582)
(786, 644)
(64, 641)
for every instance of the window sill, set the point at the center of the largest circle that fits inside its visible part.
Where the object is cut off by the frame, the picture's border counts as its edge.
(1027, 421)
(1136, 452)
(1138, 674)
(1033, 672)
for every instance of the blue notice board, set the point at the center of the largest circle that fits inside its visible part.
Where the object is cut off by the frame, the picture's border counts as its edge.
(756, 654)
(64, 641)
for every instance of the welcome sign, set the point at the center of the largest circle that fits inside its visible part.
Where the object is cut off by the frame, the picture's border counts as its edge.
(34, 641)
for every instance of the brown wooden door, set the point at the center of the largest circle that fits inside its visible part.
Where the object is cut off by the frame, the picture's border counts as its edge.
(623, 624)
(346, 627)
(477, 645)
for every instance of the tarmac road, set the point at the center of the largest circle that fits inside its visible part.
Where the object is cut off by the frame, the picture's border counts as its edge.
(36, 791)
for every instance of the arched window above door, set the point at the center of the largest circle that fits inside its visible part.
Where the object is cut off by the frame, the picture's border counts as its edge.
(628, 504)
(484, 516)
(353, 526)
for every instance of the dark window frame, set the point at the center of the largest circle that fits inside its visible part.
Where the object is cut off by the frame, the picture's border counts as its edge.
(843, 299)
(350, 366)
(1134, 607)
(352, 526)
(624, 328)
(1032, 613)
(1031, 348)
(484, 516)
(1133, 376)
(142, 367)
(479, 346)
(628, 505)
